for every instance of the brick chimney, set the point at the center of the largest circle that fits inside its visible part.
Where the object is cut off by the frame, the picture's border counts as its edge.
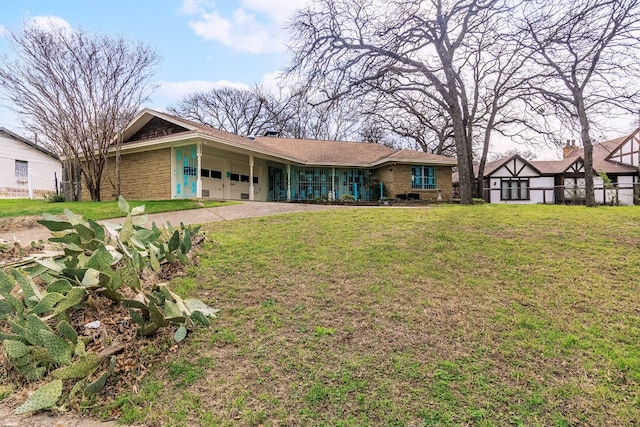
(569, 148)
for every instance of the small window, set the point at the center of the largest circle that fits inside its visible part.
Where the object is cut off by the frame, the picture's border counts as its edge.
(22, 171)
(244, 178)
(235, 177)
(574, 188)
(189, 171)
(423, 177)
(255, 179)
(216, 174)
(514, 189)
(204, 173)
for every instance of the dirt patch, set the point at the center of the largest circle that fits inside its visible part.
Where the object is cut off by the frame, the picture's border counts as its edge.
(19, 223)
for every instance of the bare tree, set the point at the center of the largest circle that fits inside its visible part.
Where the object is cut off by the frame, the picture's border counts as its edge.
(304, 116)
(239, 111)
(76, 91)
(525, 154)
(415, 121)
(586, 54)
(358, 46)
(500, 69)
(289, 113)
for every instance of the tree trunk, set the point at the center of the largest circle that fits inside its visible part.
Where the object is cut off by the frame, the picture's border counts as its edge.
(465, 167)
(590, 200)
(118, 157)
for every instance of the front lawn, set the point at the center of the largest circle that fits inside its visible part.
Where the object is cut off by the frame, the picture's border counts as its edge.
(482, 315)
(95, 210)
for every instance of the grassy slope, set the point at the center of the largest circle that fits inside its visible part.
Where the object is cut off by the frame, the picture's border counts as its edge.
(93, 210)
(483, 315)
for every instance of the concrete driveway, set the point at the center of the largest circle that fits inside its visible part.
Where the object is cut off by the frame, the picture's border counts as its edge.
(192, 216)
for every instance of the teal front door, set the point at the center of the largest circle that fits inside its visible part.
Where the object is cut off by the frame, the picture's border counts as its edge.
(185, 172)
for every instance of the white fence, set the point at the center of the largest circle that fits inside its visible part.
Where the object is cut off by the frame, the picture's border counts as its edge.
(32, 186)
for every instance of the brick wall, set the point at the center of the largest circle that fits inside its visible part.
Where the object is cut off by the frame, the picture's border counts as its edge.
(143, 176)
(397, 180)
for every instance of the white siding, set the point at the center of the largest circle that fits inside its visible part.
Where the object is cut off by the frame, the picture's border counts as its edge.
(629, 152)
(625, 195)
(43, 168)
(540, 191)
(236, 166)
(514, 168)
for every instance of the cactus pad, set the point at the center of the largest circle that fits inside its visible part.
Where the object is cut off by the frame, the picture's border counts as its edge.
(58, 348)
(44, 397)
(79, 369)
(67, 331)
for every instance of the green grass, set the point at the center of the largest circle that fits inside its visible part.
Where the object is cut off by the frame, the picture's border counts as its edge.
(95, 210)
(462, 315)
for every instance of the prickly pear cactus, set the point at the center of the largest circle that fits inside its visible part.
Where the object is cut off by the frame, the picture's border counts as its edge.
(101, 260)
(43, 398)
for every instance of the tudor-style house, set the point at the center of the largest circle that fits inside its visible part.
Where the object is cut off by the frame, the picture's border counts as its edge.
(615, 164)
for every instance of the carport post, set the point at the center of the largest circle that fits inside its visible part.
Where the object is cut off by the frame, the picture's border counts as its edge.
(288, 183)
(199, 171)
(251, 187)
(30, 181)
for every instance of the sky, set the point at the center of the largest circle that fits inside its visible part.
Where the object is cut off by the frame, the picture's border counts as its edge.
(202, 43)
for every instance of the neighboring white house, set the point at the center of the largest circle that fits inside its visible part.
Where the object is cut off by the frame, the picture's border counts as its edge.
(515, 180)
(26, 169)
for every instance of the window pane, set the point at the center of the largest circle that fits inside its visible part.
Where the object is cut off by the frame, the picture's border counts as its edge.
(505, 190)
(514, 190)
(22, 168)
(431, 173)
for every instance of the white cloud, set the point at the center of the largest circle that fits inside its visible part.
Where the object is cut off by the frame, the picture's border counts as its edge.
(50, 23)
(193, 7)
(3, 31)
(175, 91)
(279, 11)
(255, 27)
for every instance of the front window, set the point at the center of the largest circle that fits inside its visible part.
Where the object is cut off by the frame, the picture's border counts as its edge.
(423, 177)
(515, 189)
(574, 188)
(22, 171)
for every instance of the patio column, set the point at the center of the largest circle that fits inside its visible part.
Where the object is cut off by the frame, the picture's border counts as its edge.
(251, 196)
(199, 181)
(333, 184)
(288, 183)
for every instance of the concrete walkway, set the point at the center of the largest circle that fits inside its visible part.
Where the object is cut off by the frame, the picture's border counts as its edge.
(192, 216)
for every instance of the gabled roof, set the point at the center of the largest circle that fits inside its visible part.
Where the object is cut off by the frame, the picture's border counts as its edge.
(17, 137)
(491, 167)
(553, 167)
(601, 153)
(303, 151)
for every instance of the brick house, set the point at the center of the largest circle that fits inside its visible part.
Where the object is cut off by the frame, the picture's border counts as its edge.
(167, 157)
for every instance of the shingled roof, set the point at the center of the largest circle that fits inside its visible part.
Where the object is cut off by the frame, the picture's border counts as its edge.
(303, 151)
(17, 137)
(601, 152)
(601, 163)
